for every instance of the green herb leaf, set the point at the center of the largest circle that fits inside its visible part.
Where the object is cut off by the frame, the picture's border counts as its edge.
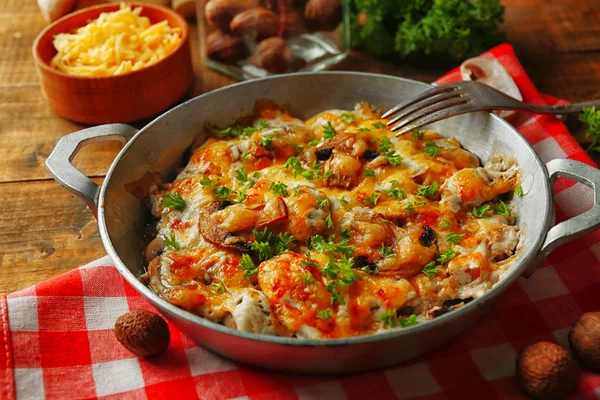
(279, 188)
(591, 116)
(454, 237)
(318, 243)
(347, 118)
(308, 279)
(242, 175)
(322, 203)
(431, 149)
(519, 191)
(447, 255)
(397, 194)
(217, 287)
(444, 224)
(386, 251)
(369, 172)
(262, 124)
(372, 199)
(232, 131)
(174, 201)
(283, 241)
(502, 209)
(379, 125)
(206, 182)
(418, 134)
(480, 211)
(389, 318)
(171, 241)
(328, 131)
(364, 130)
(411, 320)
(428, 191)
(247, 266)
(430, 269)
(329, 221)
(266, 141)
(223, 193)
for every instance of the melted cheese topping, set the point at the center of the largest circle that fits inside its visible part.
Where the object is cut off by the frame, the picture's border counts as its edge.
(381, 227)
(115, 43)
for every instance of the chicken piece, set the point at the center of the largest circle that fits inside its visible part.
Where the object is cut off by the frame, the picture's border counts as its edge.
(502, 238)
(294, 301)
(470, 187)
(305, 219)
(252, 312)
(348, 143)
(345, 170)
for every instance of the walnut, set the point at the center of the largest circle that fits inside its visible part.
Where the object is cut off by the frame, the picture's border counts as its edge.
(226, 48)
(274, 55)
(324, 15)
(256, 23)
(584, 339)
(546, 371)
(219, 13)
(143, 333)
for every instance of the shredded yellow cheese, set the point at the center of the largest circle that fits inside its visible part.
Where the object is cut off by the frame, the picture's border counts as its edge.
(116, 43)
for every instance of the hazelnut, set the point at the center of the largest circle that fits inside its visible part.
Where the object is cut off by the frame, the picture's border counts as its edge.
(225, 48)
(584, 339)
(143, 332)
(219, 13)
(323, 15)
(256, 23)
(546, 371)
(293, 24)
(274, 55)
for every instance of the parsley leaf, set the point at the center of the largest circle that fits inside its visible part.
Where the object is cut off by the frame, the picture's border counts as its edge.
(217, 287)
(502, 209)
(386, 251)
(262, 124)
(411, 320)
(428, 191)
(283, 242)
(247, 266)
(232, 131)
(171, 241)
(430, 269)
(364, 130)
(322, 203)
(479, 212)
(347, 118)
(431, 149)
(325, 314)
(242, 175)
(223, 193)
(318, 243)
(174, 201)
(447, 255)
(418, 134)
(519, 191)
(444, 224)
(372, 199)
(266, 141)
(397, 194)
(389, 318)
(454, 237)
(379, 125)
(329, 221)
(263, 249)
(591, 116)
(328, 131)
(279, 188)
(308, 279)
(369, 172)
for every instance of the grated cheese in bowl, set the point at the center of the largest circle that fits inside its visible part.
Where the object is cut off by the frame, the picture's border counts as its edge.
(115, 43)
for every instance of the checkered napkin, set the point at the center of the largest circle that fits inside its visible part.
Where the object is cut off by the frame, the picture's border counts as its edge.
(57, 339)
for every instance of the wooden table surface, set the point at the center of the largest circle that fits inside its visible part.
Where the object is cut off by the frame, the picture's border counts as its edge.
(45, 231)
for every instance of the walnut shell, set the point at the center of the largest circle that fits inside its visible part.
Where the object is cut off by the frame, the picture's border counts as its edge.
(293, 24)
(324, 15)
(225, 48)
(546, 371)
(256, 23)
(143, 333)
(584, 339)
(219, 13)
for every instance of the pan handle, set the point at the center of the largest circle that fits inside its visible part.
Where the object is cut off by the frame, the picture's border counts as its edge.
(579, 225)
(59, 162)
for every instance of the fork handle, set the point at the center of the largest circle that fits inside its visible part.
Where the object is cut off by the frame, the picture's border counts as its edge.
(560, 109)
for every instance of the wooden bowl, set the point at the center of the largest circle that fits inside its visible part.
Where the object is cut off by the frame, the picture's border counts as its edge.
(119, 98)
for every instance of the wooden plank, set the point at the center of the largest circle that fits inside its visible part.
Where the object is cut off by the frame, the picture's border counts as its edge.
(44, 231)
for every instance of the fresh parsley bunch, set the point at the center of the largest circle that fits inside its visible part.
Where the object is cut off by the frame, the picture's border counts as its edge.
(591, 116)
(455, 28)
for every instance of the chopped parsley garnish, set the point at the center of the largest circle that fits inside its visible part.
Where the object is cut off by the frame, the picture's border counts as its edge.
(232, 131)
(347, 118)
(411, 320)
(411, 208)
(369, 172)
(329, 221)
(242, 195)
(308, 279)
(268, 245)
(247, 266)
(480, 211)
(328, 131)
(206, 182)
(431, 149)
(420, 203)
(262, 124)
(263, 249)
(294, 163)
(223, 193)
(245, 154)
(444, 224)
(519, 191)
(390, 319)
(343, 200)
(379, 125)
(418, 134)
(502, 209)
(318, 243)
(242, 175)
(279, 188)
(342, 274)
(283, 241)
(325, 314)
(385, 147)
(263, 236)
(447, 255)
(364, 130)
(393, 158)
(397, 194)
(322, 203)
(386, 251)
(313, 142)
(171, 241)
(370, 269)
(591, 116)
(430, 269)
(266, 141)
(455, 237)
(372, 199)
(217, 287)
(428, 191)
(385, 144)
(174, 201)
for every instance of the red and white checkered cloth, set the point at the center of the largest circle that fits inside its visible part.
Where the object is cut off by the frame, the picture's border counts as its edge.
(57, 339)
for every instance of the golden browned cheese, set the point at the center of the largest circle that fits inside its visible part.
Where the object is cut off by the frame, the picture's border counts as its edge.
(330, 227)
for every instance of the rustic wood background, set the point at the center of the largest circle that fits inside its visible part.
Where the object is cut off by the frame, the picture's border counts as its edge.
(45, 231)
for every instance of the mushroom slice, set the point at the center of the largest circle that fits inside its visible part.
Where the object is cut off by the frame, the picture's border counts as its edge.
(348, 143)
(213, 233)
(275, 211)
(491, 73)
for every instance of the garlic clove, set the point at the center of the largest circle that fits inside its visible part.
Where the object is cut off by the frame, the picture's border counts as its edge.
(491, 73)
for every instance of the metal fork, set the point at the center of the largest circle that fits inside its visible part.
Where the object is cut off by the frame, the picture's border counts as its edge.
(460, 98)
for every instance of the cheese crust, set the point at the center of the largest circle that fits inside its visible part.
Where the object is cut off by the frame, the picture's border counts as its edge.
(330, 227)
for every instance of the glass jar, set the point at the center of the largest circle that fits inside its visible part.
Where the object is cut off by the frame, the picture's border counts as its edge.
(249, 39)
